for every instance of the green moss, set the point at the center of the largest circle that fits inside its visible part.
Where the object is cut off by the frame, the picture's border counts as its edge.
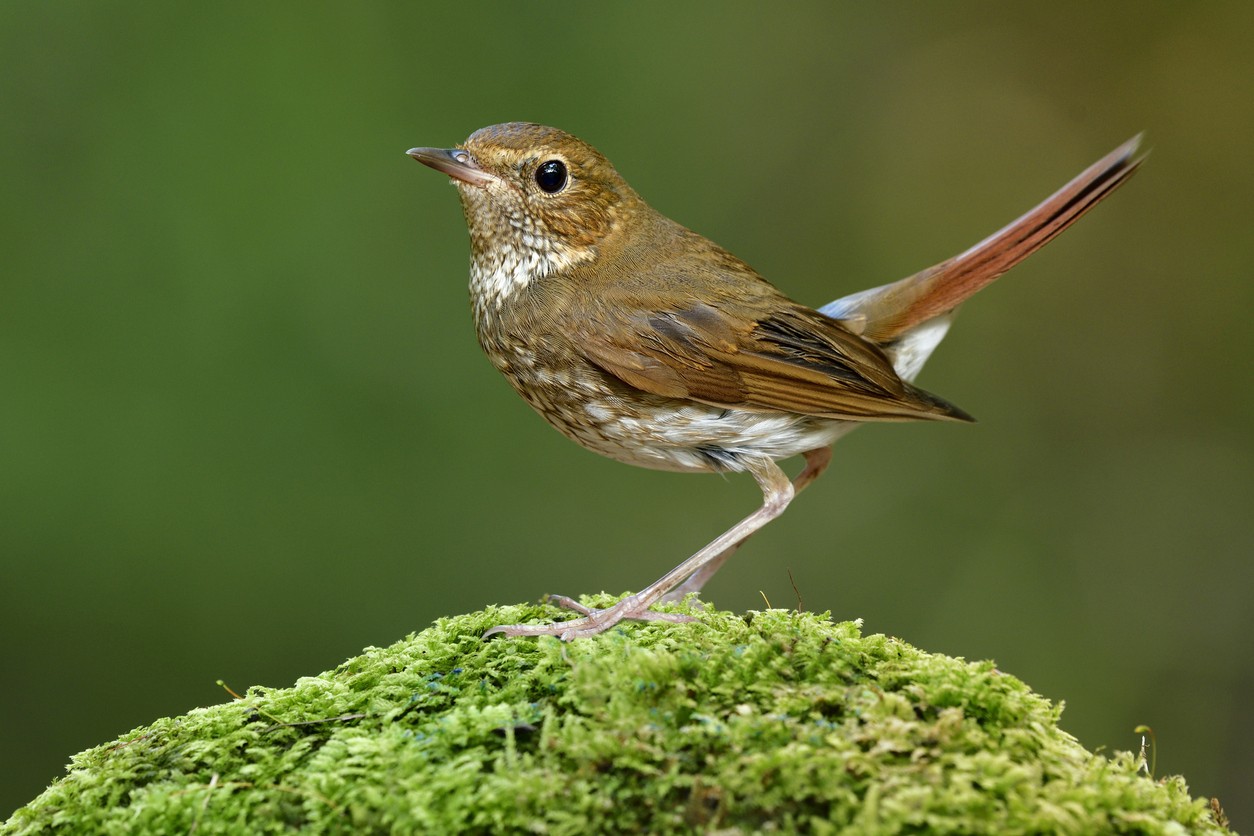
(773, 720)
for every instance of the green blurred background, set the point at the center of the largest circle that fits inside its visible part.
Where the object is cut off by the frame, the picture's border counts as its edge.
(245, 428)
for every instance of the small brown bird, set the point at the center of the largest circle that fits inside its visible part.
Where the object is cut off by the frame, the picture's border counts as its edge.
(650, 344)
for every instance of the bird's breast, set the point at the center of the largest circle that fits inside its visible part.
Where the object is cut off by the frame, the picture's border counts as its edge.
(610, 417)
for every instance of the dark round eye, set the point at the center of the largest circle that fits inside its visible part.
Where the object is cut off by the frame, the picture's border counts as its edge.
(551, 176)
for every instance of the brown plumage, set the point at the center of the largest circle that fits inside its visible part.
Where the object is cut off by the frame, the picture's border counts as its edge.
(648, 343)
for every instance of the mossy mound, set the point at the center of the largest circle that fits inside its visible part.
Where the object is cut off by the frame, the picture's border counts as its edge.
(769, 721)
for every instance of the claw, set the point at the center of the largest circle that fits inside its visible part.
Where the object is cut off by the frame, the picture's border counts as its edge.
(566, 603)
(592, 622)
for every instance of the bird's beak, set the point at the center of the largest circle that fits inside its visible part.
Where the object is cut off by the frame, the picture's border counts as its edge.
(454, 162)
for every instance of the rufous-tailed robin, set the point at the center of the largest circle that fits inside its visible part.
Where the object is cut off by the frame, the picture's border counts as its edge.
(647, 343)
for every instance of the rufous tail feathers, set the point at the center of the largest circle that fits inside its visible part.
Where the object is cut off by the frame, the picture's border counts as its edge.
(884, 314)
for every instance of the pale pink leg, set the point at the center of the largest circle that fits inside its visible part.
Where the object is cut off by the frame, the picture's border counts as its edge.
(777, 492)
(816, 463)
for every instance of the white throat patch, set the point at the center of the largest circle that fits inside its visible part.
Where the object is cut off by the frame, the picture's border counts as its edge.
(511, 265)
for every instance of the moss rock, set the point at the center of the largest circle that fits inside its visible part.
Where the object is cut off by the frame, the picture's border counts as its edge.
(768, 721)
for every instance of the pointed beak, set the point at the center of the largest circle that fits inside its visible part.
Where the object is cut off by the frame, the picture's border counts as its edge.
(454, 162)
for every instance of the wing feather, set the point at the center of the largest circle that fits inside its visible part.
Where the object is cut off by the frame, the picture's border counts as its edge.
(793, 359)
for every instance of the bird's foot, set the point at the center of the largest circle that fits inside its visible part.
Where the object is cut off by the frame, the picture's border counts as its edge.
(593, 621)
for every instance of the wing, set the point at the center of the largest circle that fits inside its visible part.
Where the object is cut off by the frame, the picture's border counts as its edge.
(776, 355)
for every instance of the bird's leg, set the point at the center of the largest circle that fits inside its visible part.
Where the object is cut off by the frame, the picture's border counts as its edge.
(777, 492)
(816, 462)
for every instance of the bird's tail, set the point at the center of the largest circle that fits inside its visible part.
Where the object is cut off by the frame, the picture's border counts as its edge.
(909, 317)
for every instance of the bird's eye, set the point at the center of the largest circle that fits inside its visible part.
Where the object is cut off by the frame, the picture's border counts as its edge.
(551, 176)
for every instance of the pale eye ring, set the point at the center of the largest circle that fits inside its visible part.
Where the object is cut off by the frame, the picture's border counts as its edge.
(551, 176)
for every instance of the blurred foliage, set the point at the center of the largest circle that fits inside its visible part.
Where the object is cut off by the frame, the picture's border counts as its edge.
(246, 430)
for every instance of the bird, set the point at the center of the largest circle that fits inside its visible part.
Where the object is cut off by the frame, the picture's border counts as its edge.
(648, 343)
